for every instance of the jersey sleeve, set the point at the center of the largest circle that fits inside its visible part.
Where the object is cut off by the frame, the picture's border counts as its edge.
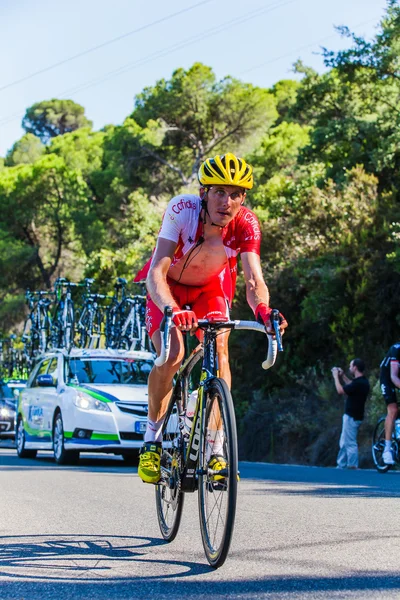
(249, 233)
(171, 224)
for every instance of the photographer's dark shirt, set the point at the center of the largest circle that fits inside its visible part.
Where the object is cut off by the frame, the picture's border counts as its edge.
(357, 392)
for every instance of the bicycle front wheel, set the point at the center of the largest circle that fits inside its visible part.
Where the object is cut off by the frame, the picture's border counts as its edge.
(378, 446)
(169, 495)
(218, 488)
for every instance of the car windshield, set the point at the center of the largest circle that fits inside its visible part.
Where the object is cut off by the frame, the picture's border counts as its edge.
(104, 371)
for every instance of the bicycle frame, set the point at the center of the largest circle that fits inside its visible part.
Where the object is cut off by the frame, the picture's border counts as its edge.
(193, 452)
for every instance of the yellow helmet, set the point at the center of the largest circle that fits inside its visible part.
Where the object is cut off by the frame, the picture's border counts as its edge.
(226, 170)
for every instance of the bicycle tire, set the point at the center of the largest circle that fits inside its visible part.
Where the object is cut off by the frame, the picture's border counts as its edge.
(169, 495)
(96, 328)
(378, 446)
(217, 499)
(69, 329)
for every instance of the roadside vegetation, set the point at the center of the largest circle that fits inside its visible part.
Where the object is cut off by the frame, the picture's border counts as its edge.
(78, 203)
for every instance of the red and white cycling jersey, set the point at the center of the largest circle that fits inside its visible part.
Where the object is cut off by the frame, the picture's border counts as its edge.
(181, 224)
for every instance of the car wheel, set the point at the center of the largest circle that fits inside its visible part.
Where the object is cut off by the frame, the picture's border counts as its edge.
(61, 455)
(131, 458)
(20, 442)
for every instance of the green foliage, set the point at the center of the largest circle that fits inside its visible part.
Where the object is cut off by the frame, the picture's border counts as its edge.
(28, 149)
(285, 92)
(200, 117)
(54, 117)
(326, 160)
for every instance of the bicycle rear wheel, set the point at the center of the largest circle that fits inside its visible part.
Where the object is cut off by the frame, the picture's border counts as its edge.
(169, 495)
(378, 446)
(217, 494)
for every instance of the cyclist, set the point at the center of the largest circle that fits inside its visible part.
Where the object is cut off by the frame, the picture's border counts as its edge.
(193, 269)
(390, 381)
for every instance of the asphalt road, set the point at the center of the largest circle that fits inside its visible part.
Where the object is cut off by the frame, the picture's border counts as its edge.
(91, 532)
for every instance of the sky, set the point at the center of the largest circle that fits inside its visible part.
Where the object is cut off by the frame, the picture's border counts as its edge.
(101, 54)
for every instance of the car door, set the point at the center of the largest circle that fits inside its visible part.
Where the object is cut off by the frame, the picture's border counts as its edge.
(30, 405)
(49, 398)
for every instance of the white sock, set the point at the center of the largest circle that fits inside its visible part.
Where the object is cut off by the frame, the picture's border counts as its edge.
(215, 443)
(388, 445)
(154, 430)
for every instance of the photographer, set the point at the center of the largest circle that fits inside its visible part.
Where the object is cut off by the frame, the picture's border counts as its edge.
(356, 390)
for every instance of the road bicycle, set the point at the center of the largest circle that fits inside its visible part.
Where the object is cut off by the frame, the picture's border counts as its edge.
(378, 445)
(63, 322)
(112, 314)
(185, 458)
(37, 326)
(133, 334)
(125, 320)
(89, 324)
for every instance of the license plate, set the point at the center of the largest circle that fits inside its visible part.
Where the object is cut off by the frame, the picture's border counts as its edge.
(140, 426)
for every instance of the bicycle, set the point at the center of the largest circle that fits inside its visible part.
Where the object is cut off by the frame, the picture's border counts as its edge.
(184, 458)
(112, 314)
(63, 322)
(378, 445)
(133, 329)
(125, 320)
(37, 326)
(91, 318)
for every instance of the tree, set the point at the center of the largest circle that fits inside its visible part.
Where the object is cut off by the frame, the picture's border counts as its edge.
(54, 117)
(28, 149)
(285, 92)
(200, 116)
(37, 207)
(353, 108)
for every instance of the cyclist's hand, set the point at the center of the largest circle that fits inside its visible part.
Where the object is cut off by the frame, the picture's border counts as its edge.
(263, 315)
(185, 320)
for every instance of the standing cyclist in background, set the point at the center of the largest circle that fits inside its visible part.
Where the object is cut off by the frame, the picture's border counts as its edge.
(390, 381)
(193, 269)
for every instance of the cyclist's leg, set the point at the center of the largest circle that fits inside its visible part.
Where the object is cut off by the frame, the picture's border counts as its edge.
(159, 390)
(390, 419)
(389, 394)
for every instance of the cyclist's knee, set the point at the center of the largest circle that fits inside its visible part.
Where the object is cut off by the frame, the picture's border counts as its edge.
(392, 410)
(176, 352)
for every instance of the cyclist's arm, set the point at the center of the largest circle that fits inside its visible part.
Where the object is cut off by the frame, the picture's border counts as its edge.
(256, 288)
(156, 282)
(394, 373)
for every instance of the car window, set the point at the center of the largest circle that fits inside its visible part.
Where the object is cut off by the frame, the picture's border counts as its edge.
(125, 371)
(42, 369)
(53, 371)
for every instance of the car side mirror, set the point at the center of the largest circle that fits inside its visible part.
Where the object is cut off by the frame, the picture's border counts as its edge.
(45, 380)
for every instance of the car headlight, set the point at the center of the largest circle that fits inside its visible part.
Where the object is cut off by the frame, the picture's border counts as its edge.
(86, 402)
(4, 412)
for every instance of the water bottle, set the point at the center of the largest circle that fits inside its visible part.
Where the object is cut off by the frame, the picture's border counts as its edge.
(191, 406)
(397, 428)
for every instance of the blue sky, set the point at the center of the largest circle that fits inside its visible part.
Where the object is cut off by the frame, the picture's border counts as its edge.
(256, 41)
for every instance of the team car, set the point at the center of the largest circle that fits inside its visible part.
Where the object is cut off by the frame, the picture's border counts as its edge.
(9, 392)
(91, 400)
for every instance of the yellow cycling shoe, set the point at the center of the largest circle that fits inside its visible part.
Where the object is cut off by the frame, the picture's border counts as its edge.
(217, 463)
(149, 469)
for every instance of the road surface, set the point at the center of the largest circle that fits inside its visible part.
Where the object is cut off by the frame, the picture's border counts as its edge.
(90, 531)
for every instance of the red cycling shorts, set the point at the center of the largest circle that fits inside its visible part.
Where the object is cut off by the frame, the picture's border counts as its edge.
(206, 301)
